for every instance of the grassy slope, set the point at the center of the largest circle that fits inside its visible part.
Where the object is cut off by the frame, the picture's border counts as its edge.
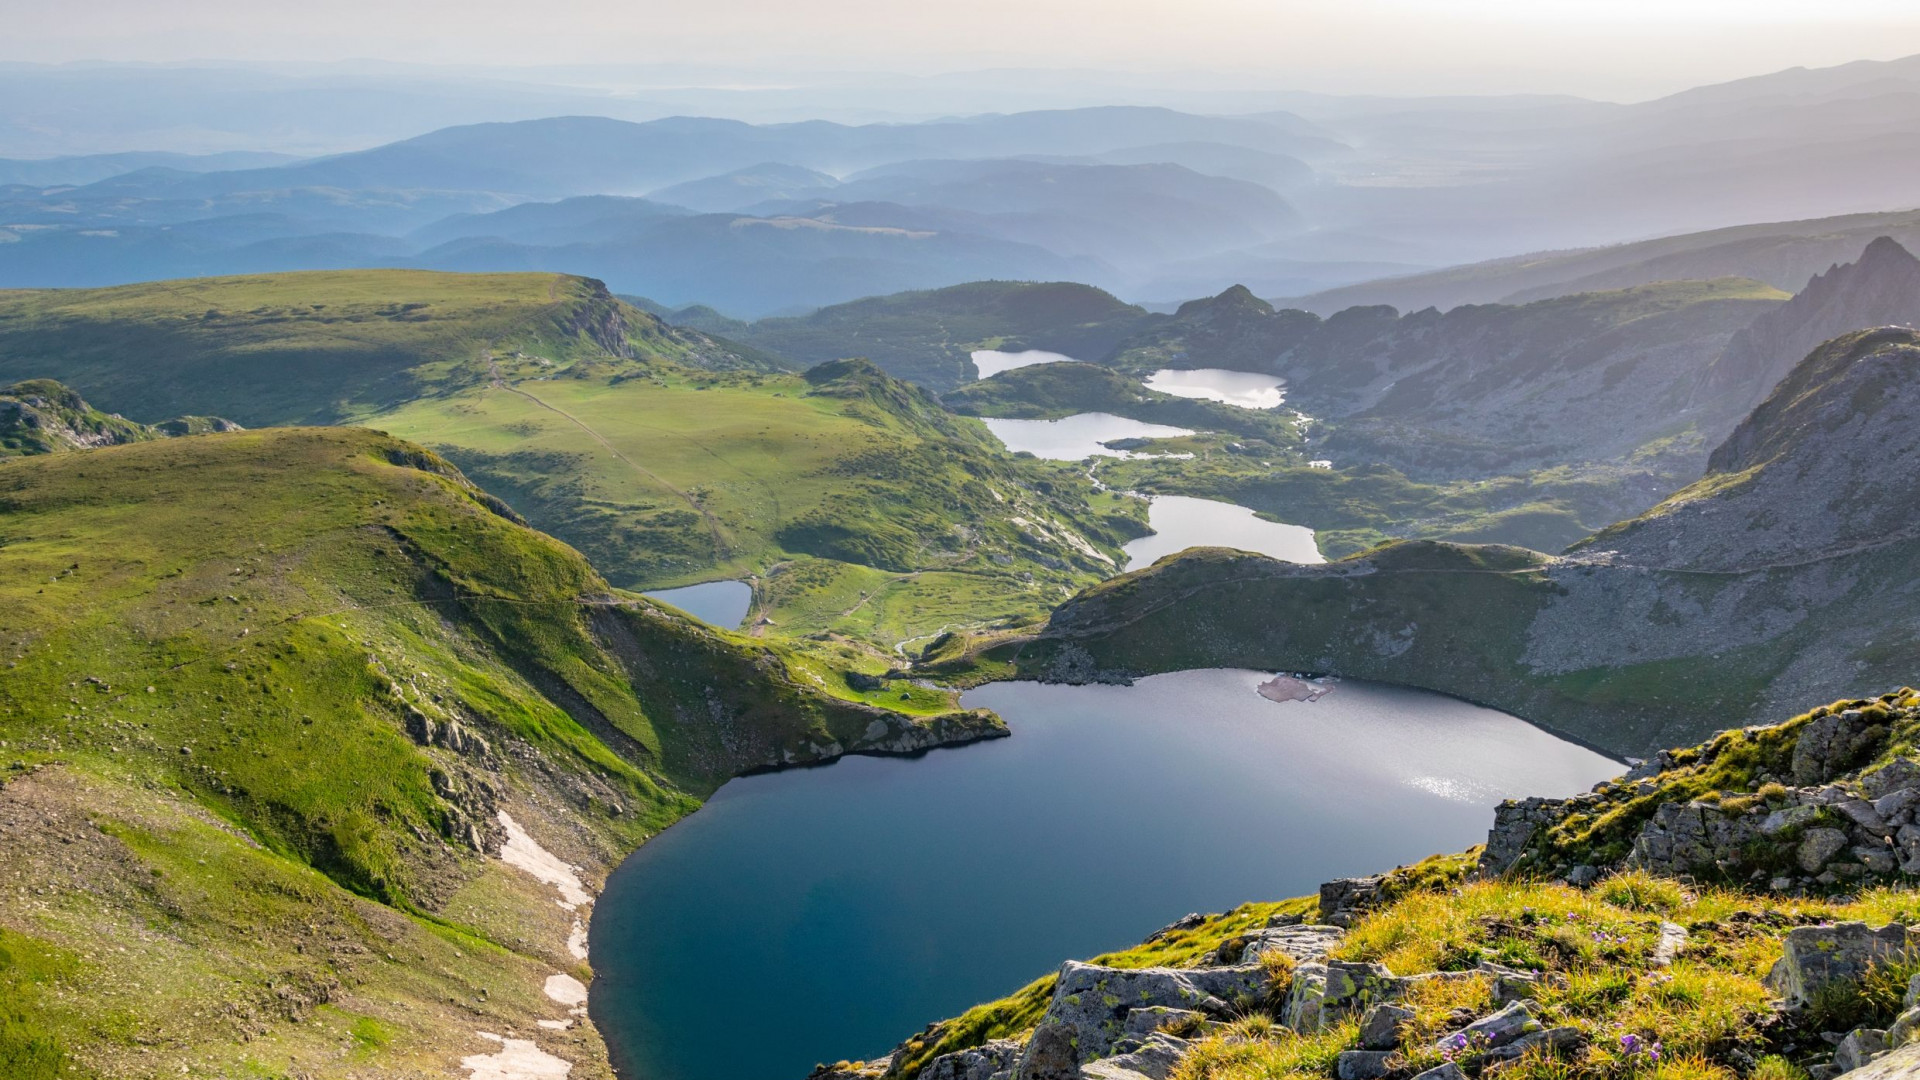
(860, 505)
(220, 848)
(314, 347)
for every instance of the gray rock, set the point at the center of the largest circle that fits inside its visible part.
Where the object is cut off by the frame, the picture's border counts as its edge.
(1156, 1058)
(992, 1061)
(1906, 1027)
(1285, 920)
(1673, 938)
(1878, 859)
(1325, 993)
(1859, 1047)
(1050, 1054)
(1582, 876)
(1906, 846)
(1862, 813)
(1901, 1063)
(1091, 1003)
(1302, 942)
(1448, 1071)
(1819, 956)
(1147, 1019)
(1830, 745)
(1184, 922)
(1343, 898)
(1823, 1072)
(1362, 1064)
(1818, 846)
(1558, 1040)
(1894, 803)
(1786, 818)
(1901, 772)
(1380, 1027)
(1502, 1027)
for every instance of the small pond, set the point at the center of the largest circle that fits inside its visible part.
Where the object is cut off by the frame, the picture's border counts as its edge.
(989, 362)
(1180, 522)
(716, 603)
(825, 913)
(1076, 437)
(1247, 389)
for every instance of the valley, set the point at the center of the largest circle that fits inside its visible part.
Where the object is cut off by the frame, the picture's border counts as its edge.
(618, 595)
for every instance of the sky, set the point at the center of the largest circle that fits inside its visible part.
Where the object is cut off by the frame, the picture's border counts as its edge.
(1614, 49)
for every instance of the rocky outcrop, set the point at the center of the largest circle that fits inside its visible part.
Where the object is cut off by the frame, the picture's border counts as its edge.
(1852, 822)
(41, 416)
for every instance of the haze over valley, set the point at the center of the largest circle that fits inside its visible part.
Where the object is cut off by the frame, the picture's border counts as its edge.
(758, 542)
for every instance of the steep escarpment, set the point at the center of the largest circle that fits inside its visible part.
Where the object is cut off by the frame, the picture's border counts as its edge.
(1825, 465)
(311, 759)
(1880, 288)
(1784, 575)
(1580, 942)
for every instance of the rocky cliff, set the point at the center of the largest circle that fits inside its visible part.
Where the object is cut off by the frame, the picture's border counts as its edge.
(1880, 288)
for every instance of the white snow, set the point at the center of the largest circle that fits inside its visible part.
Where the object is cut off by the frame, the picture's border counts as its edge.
(518, 1059)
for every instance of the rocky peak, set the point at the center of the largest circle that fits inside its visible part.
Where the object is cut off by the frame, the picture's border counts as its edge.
(1882, 288)
(1829, 463)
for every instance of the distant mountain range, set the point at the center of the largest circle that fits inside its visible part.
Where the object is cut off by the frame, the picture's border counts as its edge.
(1337, 201)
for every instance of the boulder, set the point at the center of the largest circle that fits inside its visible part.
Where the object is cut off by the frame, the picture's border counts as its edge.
(1447, 1071)
(1557, 1039)
(1050, 1054)
(1818, 846)
(1859, 1047)
(1900, 774)
(1343, 899)
(1380, 1027)
(1830, 745)
(1362, 1064)
(1905, 1029)
(1818, 956)
(993, 1061)
(1154, 1059)
(1902, 1063)
(1325, 993)
(1498, 1029)
(1090, 1003)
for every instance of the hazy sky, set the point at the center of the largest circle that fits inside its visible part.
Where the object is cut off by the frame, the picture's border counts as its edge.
(1610, 48)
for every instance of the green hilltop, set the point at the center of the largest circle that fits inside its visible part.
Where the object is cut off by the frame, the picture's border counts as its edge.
(320, 346)
(266, 697)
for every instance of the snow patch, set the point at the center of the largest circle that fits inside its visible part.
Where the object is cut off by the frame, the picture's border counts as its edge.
(520, 850)
(518, 1059)
(566, 989)
(577, 940)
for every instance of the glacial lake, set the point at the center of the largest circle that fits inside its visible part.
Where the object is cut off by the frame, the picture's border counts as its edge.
(716, 603)
(826, 913)
(989, 362)
(1247, 389)
(1180, 522)
(1076, 437)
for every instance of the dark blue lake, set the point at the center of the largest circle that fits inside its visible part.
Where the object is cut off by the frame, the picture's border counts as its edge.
(826, 913)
